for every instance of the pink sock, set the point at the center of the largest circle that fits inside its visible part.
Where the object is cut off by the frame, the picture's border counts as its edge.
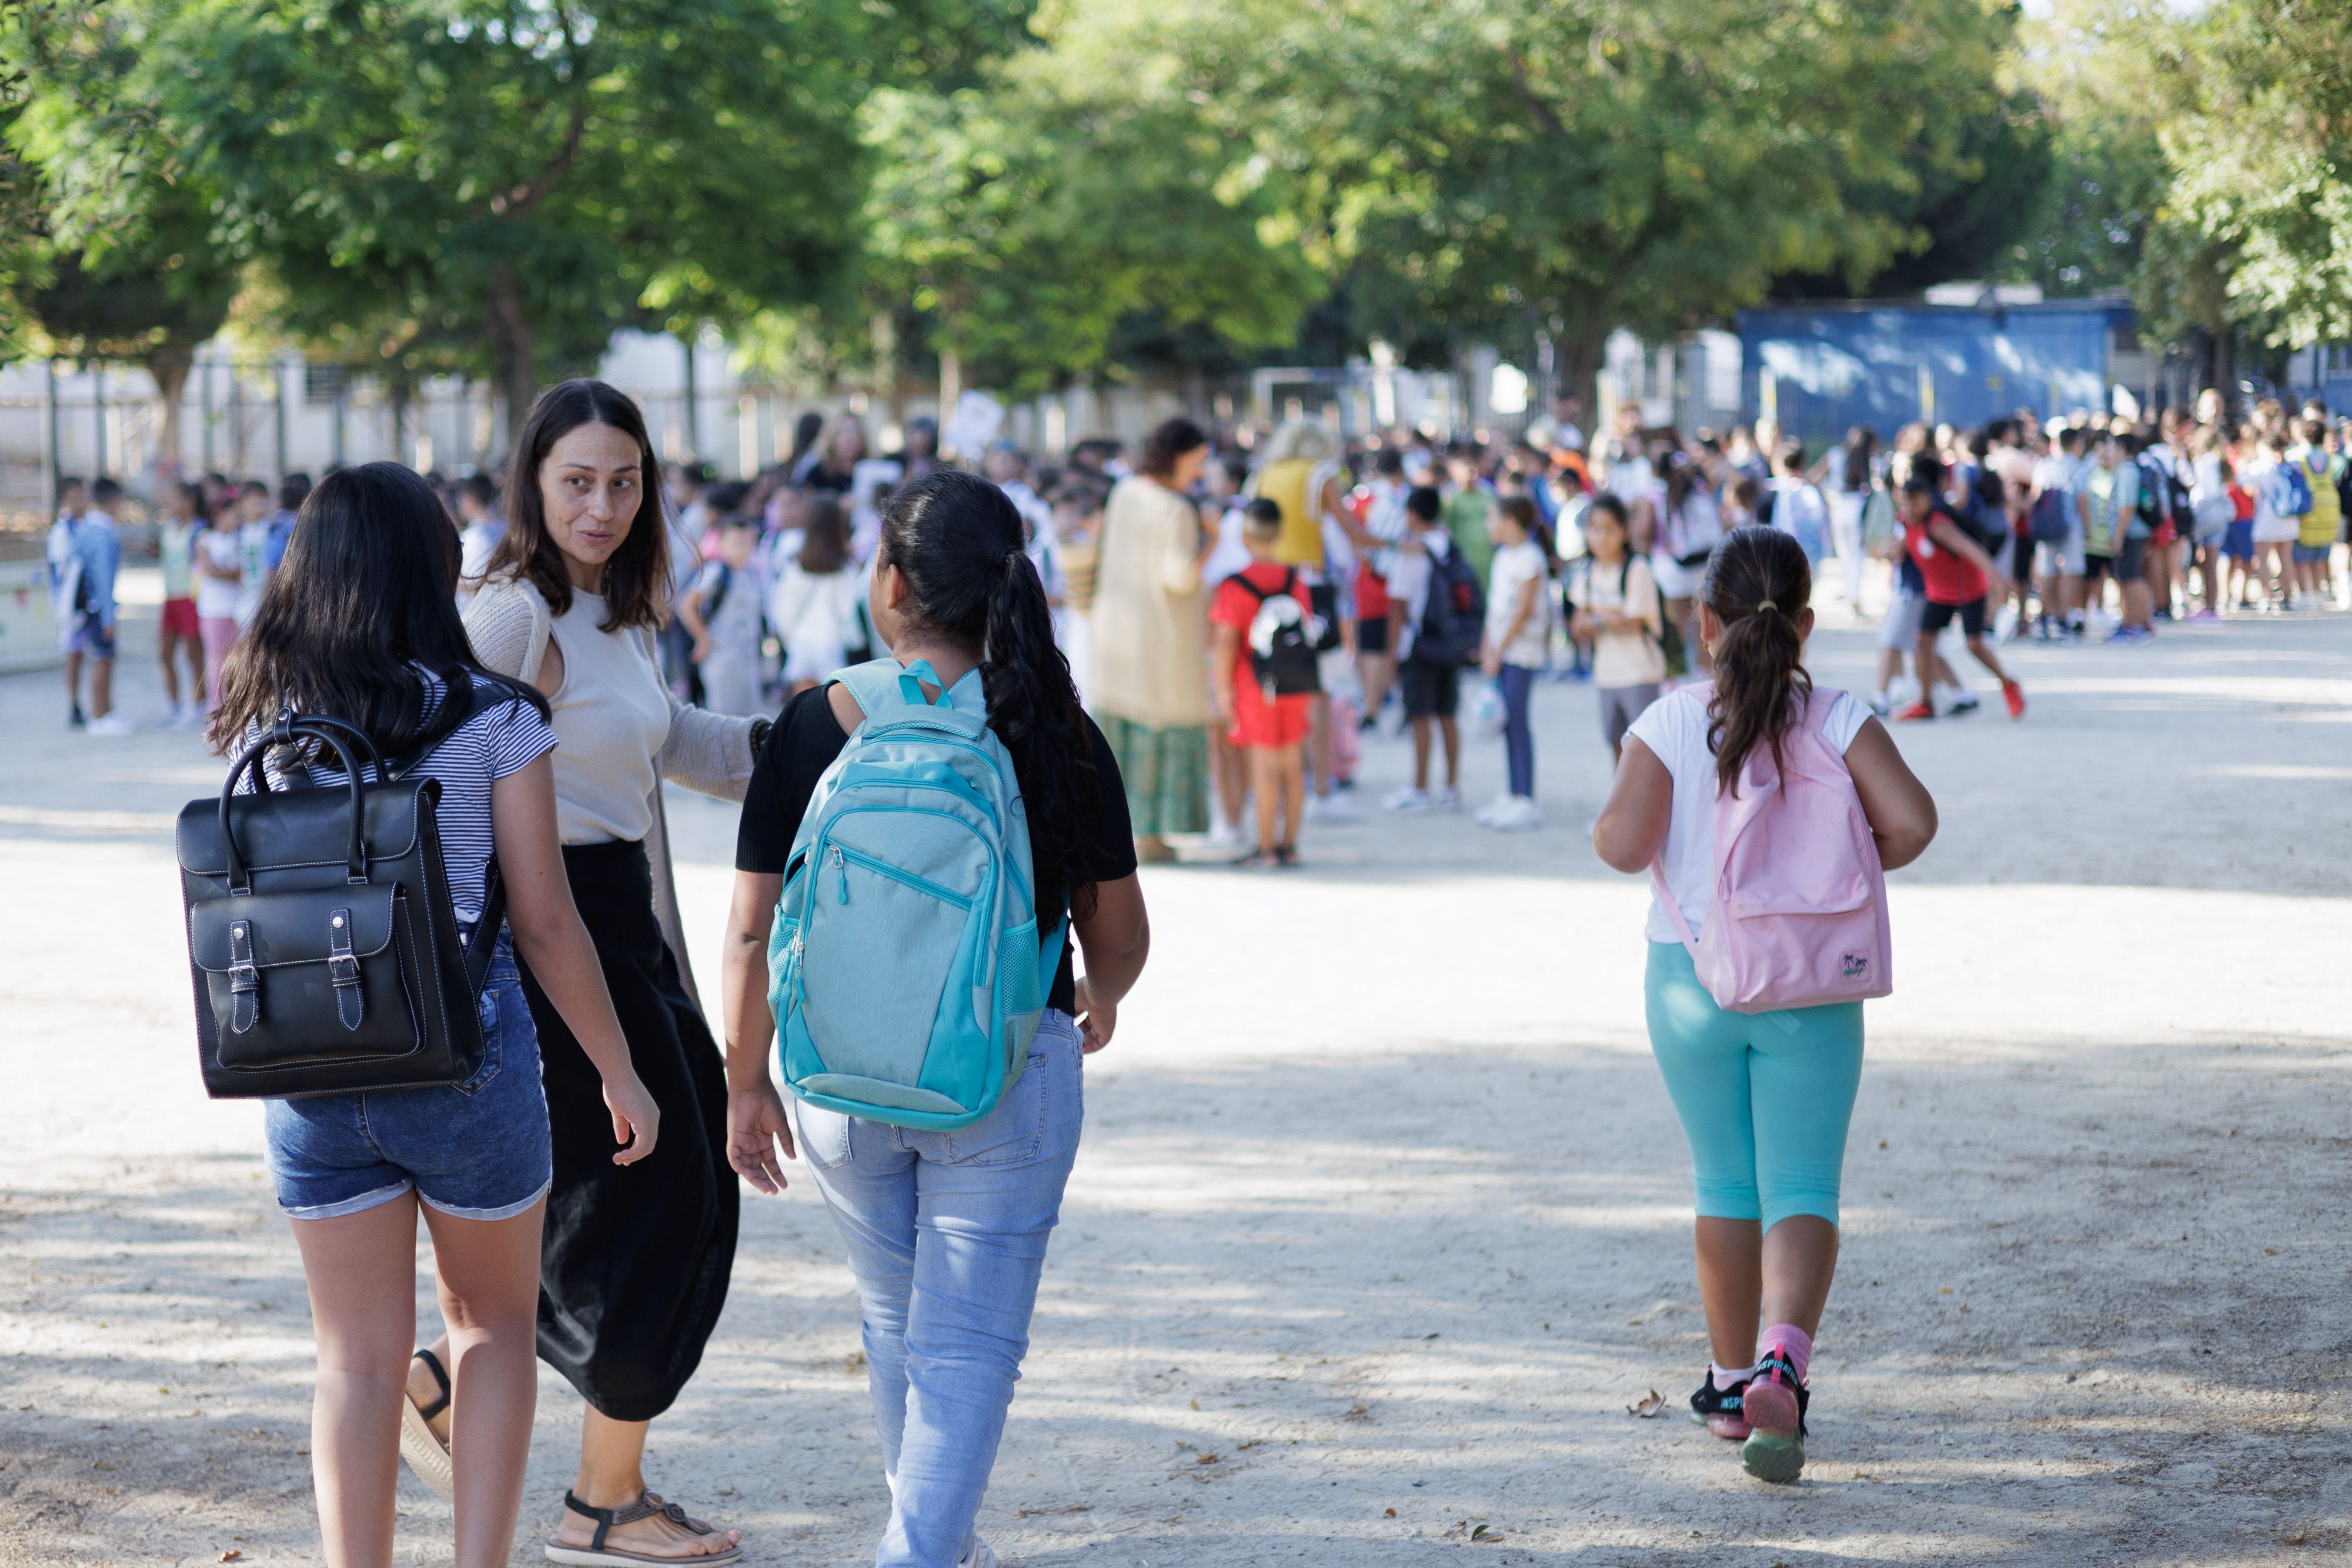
(1791, 1342)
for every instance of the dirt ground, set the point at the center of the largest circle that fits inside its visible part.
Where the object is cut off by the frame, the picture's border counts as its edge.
(1382, 1219)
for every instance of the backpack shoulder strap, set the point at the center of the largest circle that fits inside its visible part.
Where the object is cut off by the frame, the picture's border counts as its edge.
(880, 684)
(1674, 909)
(874, 685)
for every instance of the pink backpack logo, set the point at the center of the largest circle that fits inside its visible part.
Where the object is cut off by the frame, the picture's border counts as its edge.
(1798, 914)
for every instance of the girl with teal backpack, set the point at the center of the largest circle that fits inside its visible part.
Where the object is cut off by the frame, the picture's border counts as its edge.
(923, 839)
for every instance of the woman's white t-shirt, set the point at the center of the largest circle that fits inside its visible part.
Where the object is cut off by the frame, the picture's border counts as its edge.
(1674, 729)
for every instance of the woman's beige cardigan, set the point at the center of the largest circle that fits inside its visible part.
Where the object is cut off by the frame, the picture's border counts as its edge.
(1150, 618)
(710, 753)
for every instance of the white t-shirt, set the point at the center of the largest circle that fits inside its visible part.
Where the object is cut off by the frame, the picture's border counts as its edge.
(1674, 729)
(216, 598)
(1514, 567)
(1409, 583)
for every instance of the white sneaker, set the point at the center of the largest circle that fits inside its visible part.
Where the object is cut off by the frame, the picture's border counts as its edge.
(1518, 817)
(1339, 806)
(980, 1554)
(113, 726)
(1448, 798)
(1492, 808)
(1224, 835)
(1410, 800)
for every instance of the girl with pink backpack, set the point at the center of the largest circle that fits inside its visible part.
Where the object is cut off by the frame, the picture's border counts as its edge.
(1764, 812)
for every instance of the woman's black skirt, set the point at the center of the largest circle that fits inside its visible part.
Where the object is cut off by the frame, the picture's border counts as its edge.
(633, 1269)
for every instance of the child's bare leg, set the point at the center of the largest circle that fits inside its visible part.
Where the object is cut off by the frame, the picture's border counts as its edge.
(1292, 768)
(1266, 776)
(1983, 654)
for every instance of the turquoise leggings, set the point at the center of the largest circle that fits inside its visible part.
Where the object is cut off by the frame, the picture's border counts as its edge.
(1764, 1098)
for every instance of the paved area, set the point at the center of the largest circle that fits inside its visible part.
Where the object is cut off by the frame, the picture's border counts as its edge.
(1380, 1224)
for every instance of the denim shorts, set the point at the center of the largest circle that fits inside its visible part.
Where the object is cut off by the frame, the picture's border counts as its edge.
(475, 1150)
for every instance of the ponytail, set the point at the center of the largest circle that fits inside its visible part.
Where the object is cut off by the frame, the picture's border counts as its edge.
(958, 539)
(1758, 583)
(1033, 705)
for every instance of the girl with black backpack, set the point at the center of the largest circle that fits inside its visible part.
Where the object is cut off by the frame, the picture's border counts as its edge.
(946, 1231)
(359, 624)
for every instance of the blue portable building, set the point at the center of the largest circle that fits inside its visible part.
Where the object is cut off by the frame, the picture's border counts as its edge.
(1818, 367)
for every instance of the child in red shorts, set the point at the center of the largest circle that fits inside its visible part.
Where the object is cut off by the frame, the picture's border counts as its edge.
(1264, 692)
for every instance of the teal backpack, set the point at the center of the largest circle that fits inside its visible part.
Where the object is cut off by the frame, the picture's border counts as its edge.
(905, 969)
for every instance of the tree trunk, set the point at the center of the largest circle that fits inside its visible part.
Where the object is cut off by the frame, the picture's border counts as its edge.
(885, 331)
(170, 367)
(513, 355)
(1578, 357)
(951, 389)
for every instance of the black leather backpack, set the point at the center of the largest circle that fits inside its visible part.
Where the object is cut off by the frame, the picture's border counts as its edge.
(322, 945)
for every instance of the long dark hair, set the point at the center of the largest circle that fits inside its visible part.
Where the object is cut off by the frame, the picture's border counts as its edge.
(1861, 447)
(363, 605)
(957, 539)
(636, 580)
(1758, 582)
(824, 537)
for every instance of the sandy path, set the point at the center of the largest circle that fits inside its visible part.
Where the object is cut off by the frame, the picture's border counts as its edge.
(1382, 1205)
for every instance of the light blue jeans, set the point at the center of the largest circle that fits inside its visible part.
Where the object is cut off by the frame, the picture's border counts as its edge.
(946, 1233)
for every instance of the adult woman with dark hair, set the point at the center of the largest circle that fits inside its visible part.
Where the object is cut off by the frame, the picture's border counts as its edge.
(359, 624)
(832, 466)
(1151, 681)
(1764, 1098)
(635, 1273)
(947, 1231)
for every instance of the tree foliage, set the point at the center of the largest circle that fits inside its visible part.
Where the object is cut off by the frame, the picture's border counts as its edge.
(496, 183)
(2262, 155)
(1598, 163)
(1031, 220)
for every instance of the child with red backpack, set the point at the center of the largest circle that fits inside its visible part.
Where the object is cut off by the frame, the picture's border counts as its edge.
(1765, 811)
(1264, 666)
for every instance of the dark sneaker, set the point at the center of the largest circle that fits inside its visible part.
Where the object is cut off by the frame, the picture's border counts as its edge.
(1718, 1409)
(1774, 1402)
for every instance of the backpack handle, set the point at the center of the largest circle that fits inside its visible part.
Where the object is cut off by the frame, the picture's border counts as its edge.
(910, 680)
(290, 728)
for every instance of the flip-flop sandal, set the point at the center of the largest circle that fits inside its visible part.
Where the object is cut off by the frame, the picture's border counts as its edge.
(425, 1453)
(648, 1505)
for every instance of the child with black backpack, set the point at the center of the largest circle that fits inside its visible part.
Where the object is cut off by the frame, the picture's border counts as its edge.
(1265, 674)
(1437, 621)
(358, 628)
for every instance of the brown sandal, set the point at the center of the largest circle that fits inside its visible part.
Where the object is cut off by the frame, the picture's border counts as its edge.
(648, 1505)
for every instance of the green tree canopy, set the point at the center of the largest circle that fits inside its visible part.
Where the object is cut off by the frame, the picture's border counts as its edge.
(499, 183)
(1597, 163)
(2262, 155)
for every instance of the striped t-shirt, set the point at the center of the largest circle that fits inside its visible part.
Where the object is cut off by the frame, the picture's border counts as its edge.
(504, 735)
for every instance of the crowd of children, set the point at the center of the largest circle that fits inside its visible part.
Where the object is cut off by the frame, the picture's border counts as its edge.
(1443, 580)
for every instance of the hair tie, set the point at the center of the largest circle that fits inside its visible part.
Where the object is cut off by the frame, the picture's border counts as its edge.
(1766, 604)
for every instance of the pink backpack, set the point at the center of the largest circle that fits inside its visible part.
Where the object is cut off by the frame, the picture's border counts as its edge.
(1798, 914)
